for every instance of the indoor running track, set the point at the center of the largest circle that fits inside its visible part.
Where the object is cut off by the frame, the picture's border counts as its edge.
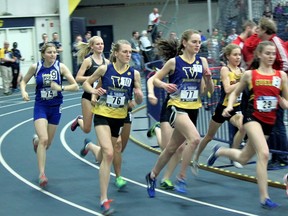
(73, 187)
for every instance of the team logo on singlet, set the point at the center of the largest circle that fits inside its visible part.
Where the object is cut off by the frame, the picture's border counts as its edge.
(47, 78)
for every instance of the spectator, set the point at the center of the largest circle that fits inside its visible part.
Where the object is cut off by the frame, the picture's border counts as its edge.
(173, 36)
(203, 37)
(16, 67)
(87, 36)
(44, 41)
(146, 47)
(6, 61)
(284, 35)
(267, 12)
(75, 49)
(278, 10)
(153, 22)
(213, 46)
(232, 36)
(285, 9)
(249, 28)
(136, 56)
(57, 43)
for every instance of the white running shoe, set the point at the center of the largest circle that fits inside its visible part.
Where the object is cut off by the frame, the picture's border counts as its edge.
(237, 165)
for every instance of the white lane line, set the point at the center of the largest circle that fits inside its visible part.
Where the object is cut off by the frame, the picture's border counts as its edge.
(32, 107)
(7, 167)
(66, 146)
(19, 100)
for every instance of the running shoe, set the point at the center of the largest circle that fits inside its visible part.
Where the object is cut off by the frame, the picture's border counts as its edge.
(167, 185)
(106, 209)
(84, 151)
(75, 123)
(120, 182)
(43, 181)
(180, 185)
(285, 179)
(35, 145)
(151, 185)
(213, 157)
(151, 131)
(237, 165)
(195, 168)
(268, 204)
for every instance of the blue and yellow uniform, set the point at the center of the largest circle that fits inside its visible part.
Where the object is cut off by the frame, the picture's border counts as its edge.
(89, 72)
(112, 108)
(223, 101)
(47, 101)
(187, 77)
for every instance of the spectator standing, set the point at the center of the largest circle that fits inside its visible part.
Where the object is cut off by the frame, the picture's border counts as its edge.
(146, 47)
(16, 67)
(173, 36)
(284, 35)
(153, 22)
(232, 36)
(57, 43)
(136, 56)
(75, 49)
(6, 61)
(87, 36)
(248, 29)
(213, 46)
(44, 41)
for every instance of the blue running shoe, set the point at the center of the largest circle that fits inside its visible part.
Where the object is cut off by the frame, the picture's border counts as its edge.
(106, 209)
(212, 158)
(151, 185)
(180, 185)
(84, 151)
(268, 204)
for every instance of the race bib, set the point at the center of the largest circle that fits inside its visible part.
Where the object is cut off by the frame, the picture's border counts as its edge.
(125, 81)
(266, 103)
(115, 101)
(189, 95)
(48, 94)
(197, 68)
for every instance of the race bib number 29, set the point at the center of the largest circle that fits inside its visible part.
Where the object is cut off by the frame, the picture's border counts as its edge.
(266, 103)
